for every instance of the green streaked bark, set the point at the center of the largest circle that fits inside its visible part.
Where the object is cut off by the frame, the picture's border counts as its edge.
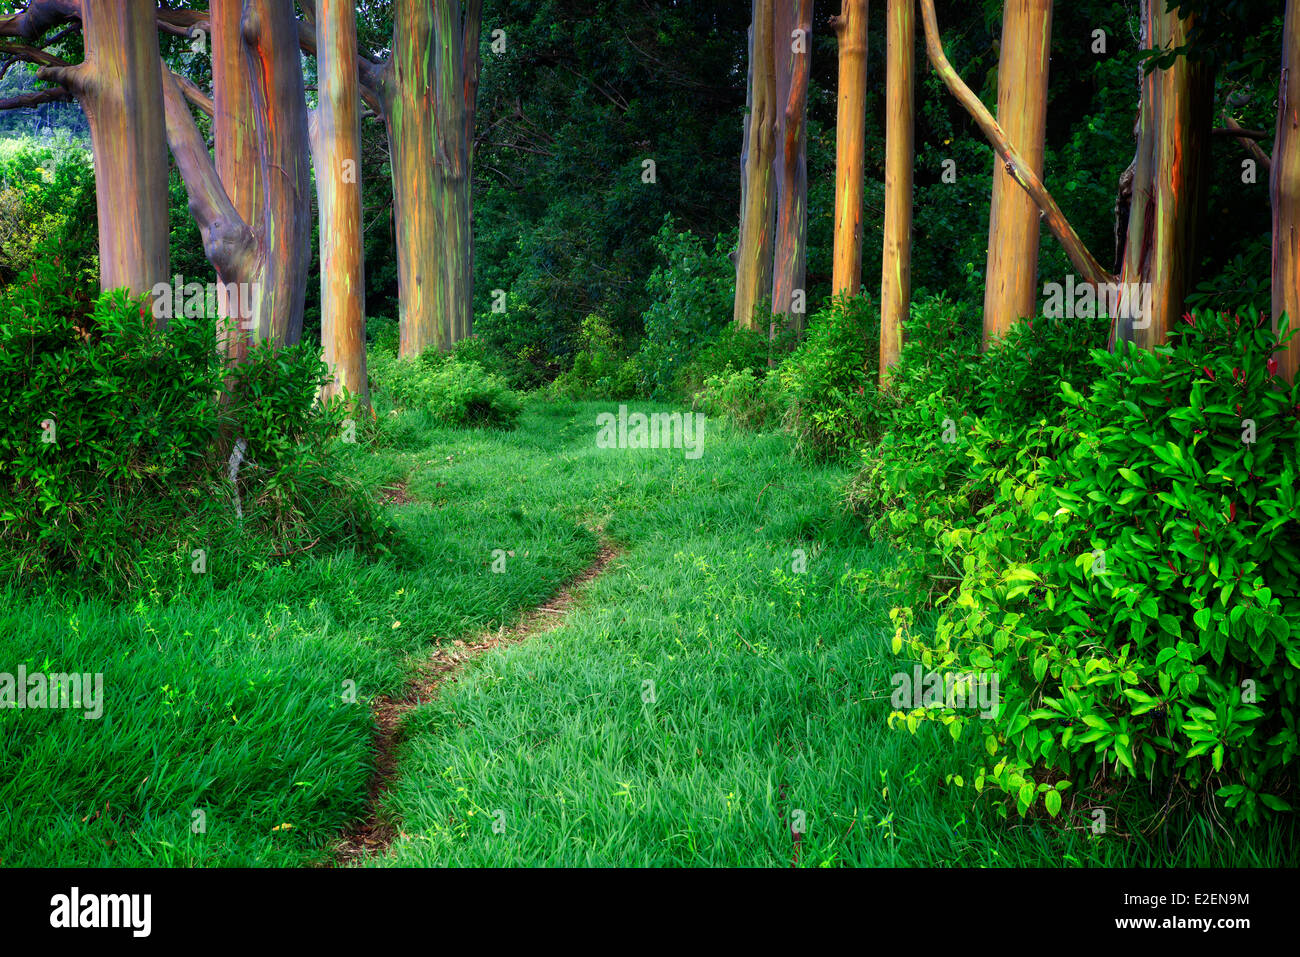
(119, 85)
(337, 151)
(429, 94)
(791, 155)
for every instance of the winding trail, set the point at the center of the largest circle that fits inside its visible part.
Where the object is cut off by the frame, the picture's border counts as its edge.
(370, 836)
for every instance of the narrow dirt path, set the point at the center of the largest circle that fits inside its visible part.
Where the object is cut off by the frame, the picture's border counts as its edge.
(370, 836)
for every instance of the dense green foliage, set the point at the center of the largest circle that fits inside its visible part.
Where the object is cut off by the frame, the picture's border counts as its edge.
(1123, 556)
(115, 433)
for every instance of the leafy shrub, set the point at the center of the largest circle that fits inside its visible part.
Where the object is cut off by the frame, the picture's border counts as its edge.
(47, 199)
(112, 451)
(829, 382)
(734, 347)
(516, 346)
(692, 295)
(752, 402)
(600, 369)
(453, 391)
(1137, 593)
(960, 424)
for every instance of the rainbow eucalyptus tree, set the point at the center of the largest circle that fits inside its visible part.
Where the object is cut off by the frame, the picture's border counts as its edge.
(263, 257)
(119, 86)
(754, 250)
(900, 153)
(336, 148)
(850, 146)
(429, 91)
(1285, 188)
(1011, 287)
(793, 46)
(1170, 175)
(1168, 183)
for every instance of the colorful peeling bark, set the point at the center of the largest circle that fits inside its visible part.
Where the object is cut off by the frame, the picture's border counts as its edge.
(119, 85)
(1169, 187)
(850, 146)
(1285, 186)
(429, 93)
(757, 242)
(793, 52)
(1010, 292)
(337, 151)
(896, 268)
(270, 33)
(270, 257)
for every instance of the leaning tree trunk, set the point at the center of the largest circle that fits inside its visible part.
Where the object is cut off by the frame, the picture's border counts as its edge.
(793, 40)
(1021, 172)
(119, 85)
(896, 268)
(1011, 287)
(264, 263)
(756, 245)
(337, 151)
(1285, 186)
(850, 146)
(1169, 183)
(429, 92)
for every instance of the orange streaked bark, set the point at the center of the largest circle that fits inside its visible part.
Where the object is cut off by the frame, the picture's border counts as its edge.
(792, 38)
(428, 93)
(1285, 187)
(1170, 181)
(270, 33)
(896, 268)
(337, 151)
(119, 85)
(757, 242)
(270, 257)
(1010, 291)
(850, 146)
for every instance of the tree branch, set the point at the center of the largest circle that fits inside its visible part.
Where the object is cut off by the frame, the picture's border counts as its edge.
(1083, 260)
(38, 17)
(1247, 142)
(27, 100)
(228, 242)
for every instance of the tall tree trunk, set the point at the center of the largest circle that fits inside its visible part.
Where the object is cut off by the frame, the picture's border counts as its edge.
(266, 266)
(850, 146)
(756, 245)
(456, 67)
(337, 150)
(1170, 179)
(270, 33)
(1021, 173)
(119, 85)
(234, 130)
(1285, 186)
(793, 50)
(429, 93)
(896, 269)
(1011, 288)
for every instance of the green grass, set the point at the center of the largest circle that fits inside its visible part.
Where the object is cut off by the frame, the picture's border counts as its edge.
(770, 686)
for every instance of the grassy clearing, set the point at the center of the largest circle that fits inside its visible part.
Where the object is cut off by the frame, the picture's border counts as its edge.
(770, 697)
(770, 687)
